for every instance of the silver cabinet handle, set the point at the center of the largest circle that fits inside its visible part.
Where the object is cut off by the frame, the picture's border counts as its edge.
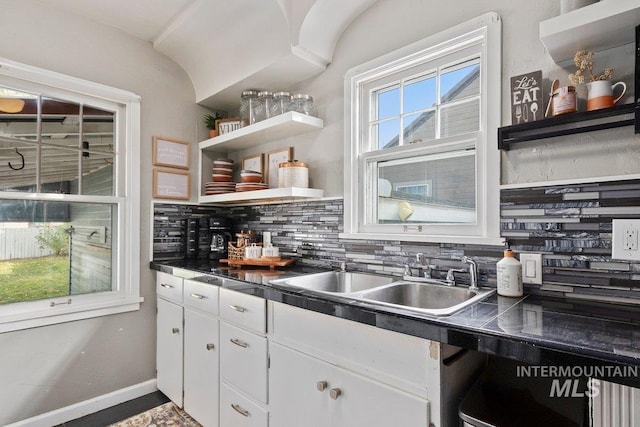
(210, 346)
(322, 385)
(197, 296)
(335, 393)
(240, 410)
(175, 330)
(239, 343)
(238, 308)
(164, 285)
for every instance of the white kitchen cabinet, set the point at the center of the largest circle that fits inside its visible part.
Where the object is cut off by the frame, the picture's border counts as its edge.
(383, 377)
(272, 129)
(201, 367)
(310, 392)
(169, 355)
(244, 359)
(188, 346)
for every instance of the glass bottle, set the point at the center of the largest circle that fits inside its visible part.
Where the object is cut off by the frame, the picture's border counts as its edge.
(248, 102)
(281, 103)
(263, 107)
(302, 103)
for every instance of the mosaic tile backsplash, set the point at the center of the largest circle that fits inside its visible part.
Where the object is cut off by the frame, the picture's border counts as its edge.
(570, 225)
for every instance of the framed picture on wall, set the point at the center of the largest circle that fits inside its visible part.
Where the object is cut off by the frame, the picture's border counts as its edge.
(170, 153)
(274, 158)
(171, 184)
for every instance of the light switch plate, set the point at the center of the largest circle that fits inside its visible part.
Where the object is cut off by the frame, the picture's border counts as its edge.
(625, 239)
(531, 268)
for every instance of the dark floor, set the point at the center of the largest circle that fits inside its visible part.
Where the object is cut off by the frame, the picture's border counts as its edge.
(119, 412)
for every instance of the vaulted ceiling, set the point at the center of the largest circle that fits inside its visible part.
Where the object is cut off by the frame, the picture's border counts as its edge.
(226, 46)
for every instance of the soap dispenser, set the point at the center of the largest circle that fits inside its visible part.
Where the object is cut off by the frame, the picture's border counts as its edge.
(509, 272)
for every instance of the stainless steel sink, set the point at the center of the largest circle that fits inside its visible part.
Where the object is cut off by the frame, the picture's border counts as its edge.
(335, 282)
(427, 298)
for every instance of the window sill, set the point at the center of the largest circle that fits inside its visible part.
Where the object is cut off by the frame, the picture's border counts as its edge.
(465, 240)
(11, 321)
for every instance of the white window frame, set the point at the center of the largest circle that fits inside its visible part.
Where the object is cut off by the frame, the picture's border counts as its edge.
(125, 293)
(485, 32)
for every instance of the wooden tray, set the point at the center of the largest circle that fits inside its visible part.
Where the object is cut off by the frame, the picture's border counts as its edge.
(272, 263)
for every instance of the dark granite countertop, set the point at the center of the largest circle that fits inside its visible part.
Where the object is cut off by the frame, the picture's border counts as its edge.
(532, 329)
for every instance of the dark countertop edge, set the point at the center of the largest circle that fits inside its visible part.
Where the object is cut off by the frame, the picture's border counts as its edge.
(531, 350)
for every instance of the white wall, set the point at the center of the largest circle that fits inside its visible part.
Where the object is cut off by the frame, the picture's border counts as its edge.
(391, 24)
(51, 367)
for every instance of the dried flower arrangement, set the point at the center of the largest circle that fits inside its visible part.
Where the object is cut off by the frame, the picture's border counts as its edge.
(584, 62)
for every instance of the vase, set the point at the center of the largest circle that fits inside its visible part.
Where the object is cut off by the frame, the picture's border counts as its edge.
(600, 94)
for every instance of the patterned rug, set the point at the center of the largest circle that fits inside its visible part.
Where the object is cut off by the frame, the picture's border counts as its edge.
(167, 415)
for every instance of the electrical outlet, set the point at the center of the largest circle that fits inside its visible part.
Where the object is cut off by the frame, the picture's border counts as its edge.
(630, 239)
(625, 239)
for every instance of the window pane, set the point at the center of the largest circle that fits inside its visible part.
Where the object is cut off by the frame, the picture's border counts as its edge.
(460, 82)
(419, 94)
(18, 112)
(386, 133)
(460, 118)
(98, 153)
(54, 249)
(428, 189)
(419, 127)
(21, 175)
(388, 102)
(59, 168)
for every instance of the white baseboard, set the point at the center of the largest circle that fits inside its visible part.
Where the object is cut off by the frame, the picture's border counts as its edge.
(87, 407)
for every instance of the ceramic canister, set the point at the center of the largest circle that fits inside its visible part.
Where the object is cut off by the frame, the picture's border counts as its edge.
(293, 174)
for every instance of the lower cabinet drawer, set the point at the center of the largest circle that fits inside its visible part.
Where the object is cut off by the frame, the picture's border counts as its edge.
(238, 411)
(247, 311)
(169, 287)
(202, 296)
(244, 361)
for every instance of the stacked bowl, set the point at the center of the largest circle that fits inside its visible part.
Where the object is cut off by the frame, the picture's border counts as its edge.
(221, 178)
(251, 181)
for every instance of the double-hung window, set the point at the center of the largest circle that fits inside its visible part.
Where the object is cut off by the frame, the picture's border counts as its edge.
(69, 198)
(421, 159)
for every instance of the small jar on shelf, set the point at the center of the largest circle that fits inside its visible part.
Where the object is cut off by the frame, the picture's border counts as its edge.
(302, 103)
(248, 104)
(281, 103)
(263, 106)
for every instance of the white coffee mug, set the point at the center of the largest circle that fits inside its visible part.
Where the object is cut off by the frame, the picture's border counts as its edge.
(600, 94)
(253, 251)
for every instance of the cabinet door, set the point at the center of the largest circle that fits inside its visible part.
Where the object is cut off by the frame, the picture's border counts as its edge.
(299, 389)
(169, 356)
(361, 401)
(201, 372)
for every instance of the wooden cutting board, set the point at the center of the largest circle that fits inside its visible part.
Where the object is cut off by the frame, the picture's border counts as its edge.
(271, 262)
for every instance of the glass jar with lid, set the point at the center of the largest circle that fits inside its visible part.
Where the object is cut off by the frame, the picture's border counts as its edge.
(302, 103)
(248, 102)
(263, 106)
(281, 103)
